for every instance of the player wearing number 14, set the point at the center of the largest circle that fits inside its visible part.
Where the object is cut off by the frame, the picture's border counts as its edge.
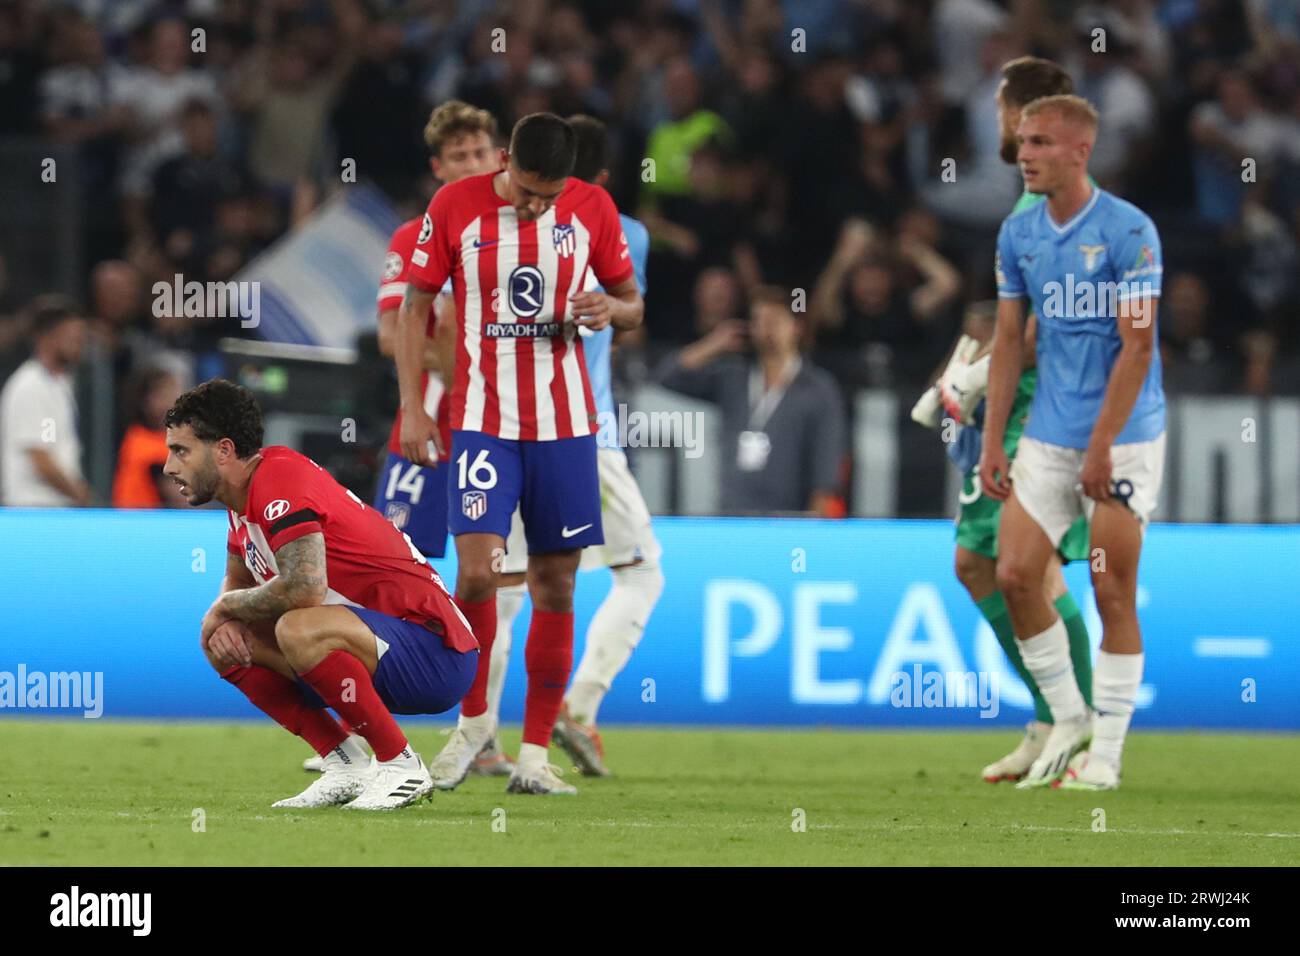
(518, 245)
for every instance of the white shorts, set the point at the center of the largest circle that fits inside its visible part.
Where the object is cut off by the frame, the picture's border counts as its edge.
(1046, 482)
(624, 518)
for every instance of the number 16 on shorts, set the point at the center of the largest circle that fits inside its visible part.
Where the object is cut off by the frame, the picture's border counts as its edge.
(555, 483)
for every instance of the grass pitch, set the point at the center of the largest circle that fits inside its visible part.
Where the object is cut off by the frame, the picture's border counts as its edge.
(123, 794)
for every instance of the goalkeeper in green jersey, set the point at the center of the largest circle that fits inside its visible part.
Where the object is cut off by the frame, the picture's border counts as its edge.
(959, 394)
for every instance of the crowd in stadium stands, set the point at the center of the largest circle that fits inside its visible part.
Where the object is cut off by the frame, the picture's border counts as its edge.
(798, 143)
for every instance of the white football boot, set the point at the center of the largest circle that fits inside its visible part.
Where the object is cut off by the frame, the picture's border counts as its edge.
(544, 779)
(393, 786)
(1017, 763)
(316, 763)
(1067, 738)
(1089, 772)
(339, 782)
(450, 768)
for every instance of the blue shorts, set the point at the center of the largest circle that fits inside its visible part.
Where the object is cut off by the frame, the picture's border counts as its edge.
(554, 483)
(414, 499)
(417, 673)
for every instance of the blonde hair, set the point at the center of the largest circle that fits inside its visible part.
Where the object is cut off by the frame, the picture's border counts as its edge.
(1068, 106)
(456, 118)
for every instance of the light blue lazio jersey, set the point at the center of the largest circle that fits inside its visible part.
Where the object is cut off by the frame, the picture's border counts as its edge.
(597, 345)
(1075, 275)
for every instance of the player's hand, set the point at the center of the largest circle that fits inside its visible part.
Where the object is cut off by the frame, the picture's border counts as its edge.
(417, 431)
(591, 310)
(231, 644)
(1095, 474)
(994, 471)
(212, 620)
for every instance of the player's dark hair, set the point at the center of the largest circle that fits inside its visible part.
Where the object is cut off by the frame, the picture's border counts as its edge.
(49, 311)
(220, 409)
(1030, 77)
(592, 147)
(545, 145)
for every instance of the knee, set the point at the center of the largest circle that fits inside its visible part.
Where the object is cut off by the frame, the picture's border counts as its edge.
(643, 579)
(1015, 579)
(292, 635)
(475, 583)
(551, 588)
(974, 571)
(1115, 595)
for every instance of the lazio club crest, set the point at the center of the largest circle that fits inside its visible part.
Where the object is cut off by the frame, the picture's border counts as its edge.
(1092, 256)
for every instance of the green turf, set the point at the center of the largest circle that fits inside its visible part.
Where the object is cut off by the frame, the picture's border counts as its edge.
(112, 793)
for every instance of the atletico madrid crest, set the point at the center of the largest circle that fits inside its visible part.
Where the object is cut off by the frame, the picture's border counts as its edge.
(565, 240)
(473, 504)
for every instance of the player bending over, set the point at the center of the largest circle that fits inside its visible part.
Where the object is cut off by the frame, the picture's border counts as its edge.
(631, 551)
(517, 246)
(960, 392)
(414, 497)
(1090, 265)
(324, 603)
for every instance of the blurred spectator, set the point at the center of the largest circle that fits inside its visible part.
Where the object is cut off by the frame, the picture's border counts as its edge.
(20, 69)
(1259, 349)
(81, 108)
(380, 111)
(40, 450)
(783, 433)
(1189, 357)
(286, 91)
(704, 228)
(717, 299)
(880, 327)
(139, 481)
(1105, 78)
(673, 142)
(154, 94)
(188, 188)
(1226, 131)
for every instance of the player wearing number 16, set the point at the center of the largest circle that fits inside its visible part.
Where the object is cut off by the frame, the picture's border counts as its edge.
(517, 246)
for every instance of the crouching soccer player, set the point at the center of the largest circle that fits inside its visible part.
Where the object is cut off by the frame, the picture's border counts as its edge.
(324, 603)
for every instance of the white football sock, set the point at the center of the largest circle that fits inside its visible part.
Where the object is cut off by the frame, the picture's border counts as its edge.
(351, 752)
(407, 758)
(509, 601)
(479, 728)
(1115, 682)
(531, 757)
(1047, 657)
(613, 634)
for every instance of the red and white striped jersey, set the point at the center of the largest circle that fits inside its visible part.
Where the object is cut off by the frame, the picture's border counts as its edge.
(368, 562)
(520, 372)
(392, 288)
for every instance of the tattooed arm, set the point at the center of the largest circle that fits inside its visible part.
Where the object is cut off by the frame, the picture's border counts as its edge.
(300, 582)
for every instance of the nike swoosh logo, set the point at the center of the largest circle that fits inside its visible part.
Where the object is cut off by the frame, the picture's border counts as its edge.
(566, 533)
(479, 243)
